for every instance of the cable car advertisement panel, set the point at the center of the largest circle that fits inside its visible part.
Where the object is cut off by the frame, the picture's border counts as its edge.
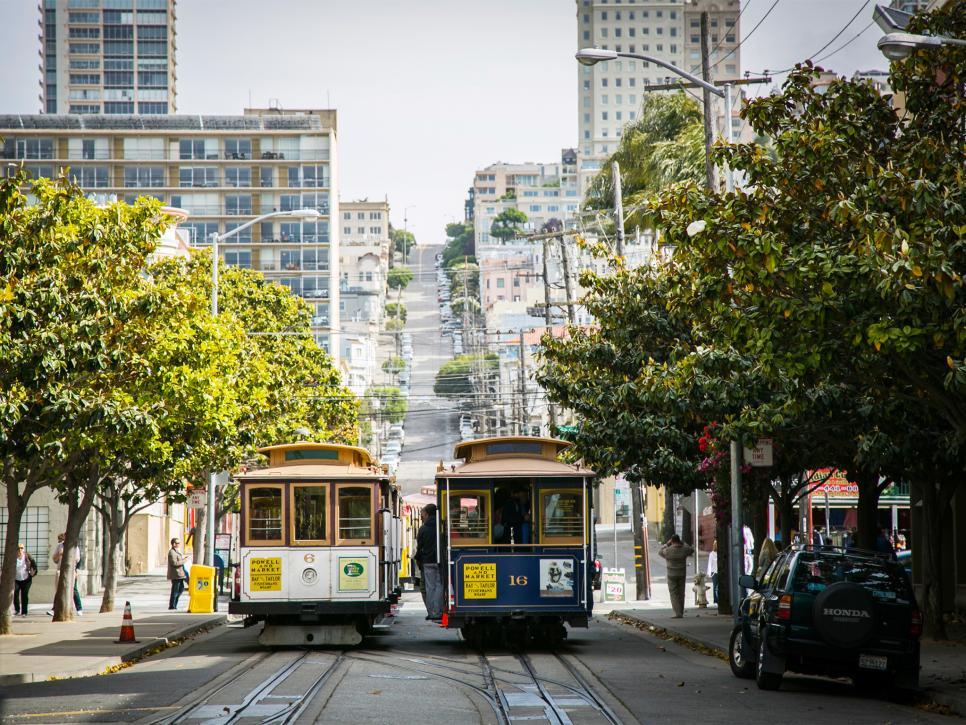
(497, 580)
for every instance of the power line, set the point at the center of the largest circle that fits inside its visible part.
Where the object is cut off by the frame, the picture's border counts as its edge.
(723, 35)
(844, 28)
(743, 40)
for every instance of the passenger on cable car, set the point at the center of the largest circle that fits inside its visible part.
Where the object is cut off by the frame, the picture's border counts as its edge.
(516, 517)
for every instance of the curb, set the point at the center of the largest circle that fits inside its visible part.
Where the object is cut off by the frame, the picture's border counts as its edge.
(659, 630)
(108, 665)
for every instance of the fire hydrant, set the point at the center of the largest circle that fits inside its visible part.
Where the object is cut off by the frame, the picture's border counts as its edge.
(700, 590)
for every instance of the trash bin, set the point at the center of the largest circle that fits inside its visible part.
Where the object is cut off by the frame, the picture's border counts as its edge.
(201, 587)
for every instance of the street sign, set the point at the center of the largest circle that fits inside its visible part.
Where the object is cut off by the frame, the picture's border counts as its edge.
(761, 455)
(223, 541)
(612, 582)
(198, 498)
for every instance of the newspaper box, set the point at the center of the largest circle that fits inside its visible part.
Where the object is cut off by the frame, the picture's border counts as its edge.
(201, 588)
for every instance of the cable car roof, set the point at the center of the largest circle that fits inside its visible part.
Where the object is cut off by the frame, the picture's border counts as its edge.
(512, 456)
(306, 460)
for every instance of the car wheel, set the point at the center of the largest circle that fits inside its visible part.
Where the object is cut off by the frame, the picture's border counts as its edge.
(766, 680)
(741, 666)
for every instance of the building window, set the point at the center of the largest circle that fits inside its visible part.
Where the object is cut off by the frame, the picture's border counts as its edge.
(242, 259)
(143, 176)
(500, 283)
(197, 176)
(238, 176)
(90, 176)
(238, 148)
(116, 107)
(238, 204)
(267, 176)
(152, 108)
(347, 231)
(34, 533)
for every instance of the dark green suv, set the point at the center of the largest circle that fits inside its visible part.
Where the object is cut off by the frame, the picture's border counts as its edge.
(829, 611)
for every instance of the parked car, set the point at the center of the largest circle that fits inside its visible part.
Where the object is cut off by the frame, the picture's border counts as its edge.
(829, 611)
(393, 446)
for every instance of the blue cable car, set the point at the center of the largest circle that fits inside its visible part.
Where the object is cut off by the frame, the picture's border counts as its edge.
(515, 535)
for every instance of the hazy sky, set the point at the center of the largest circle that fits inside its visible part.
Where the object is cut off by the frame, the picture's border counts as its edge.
(427, 90)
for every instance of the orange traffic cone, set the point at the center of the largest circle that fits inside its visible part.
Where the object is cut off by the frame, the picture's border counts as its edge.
(127, 626)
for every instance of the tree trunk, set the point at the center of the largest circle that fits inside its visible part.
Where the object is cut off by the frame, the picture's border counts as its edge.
(79, 505)
(115, 563)
(786, 510)
(724, 571)
(868, 509)
(935, 516)
(16, 506)
(667, 523)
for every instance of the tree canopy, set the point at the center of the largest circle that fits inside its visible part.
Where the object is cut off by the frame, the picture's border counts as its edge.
(508, 224)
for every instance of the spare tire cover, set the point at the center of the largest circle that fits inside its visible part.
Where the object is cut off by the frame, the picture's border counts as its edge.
(845, 615)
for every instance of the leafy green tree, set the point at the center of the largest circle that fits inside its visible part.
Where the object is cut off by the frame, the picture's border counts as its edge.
(394, 365)
(392, 404)
(665, 145)
(460, 244)
(402, 241)
(396, 310)
(507, 224)
(454, 377)
(399, 278)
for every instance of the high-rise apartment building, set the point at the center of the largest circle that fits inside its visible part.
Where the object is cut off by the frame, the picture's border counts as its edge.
(610, 93)
(223, 171)
(107, 56)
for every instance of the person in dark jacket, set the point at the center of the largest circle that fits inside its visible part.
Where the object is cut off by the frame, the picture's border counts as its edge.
(426, 556)
(176, 573)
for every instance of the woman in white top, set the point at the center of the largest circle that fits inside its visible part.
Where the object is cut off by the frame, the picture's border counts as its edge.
(713, 570)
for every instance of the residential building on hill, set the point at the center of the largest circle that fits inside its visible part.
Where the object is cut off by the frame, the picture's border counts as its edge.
(223, 171)
(107, 56)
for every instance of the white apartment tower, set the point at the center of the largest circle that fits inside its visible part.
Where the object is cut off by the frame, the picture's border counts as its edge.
(107, 56)
(610, 93)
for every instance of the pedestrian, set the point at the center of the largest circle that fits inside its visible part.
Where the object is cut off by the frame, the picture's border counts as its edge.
(26, 571)
(56, 557)
(768, 554)
(676, 553)
(428, 560)
(219, 571)
(713, 570)
(176, 573)
(749, 541)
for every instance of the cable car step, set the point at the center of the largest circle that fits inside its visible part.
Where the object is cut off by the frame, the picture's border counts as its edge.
(300, 635)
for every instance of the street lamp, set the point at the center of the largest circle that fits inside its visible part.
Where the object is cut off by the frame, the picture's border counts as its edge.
(216, 239)
(896, 46)
(406, 234)
(592, 56)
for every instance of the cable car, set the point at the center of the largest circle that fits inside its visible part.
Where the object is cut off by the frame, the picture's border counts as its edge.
(515, 541)
(320, 535)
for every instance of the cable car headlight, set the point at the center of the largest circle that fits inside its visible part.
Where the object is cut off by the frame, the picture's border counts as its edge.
(309, 576)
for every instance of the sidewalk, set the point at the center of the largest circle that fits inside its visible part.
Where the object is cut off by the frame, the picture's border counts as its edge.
(40, 650)
(942, 678)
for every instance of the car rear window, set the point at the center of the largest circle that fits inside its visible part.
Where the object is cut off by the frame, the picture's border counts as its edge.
(886, 580)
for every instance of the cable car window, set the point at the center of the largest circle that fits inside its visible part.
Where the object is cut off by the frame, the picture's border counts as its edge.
(310, 504)
(561, 517)
(534, 449)
(355, 514)
(469, 513)
(265, 514)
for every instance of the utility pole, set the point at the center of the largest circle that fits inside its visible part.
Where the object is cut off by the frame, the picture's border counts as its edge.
(524, 420)
(568, 285)
(706, 95)
(640, 542)
(618, 210)
(547, 318)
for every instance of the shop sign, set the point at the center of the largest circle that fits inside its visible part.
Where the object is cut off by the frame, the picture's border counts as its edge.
(612, 582)
(761, 455)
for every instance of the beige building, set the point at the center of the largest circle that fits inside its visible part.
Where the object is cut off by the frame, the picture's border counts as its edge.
(223, 171)
(107, 56)
(364, 262)
(610, 93)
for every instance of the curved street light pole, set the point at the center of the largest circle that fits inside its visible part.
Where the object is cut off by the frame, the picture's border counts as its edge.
(216, 238)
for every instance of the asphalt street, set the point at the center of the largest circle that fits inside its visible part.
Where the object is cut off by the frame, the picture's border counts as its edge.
(431, 425)
(419, 672)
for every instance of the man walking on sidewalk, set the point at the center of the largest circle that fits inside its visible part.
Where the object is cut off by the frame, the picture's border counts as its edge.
(676, 554)
(176, 573)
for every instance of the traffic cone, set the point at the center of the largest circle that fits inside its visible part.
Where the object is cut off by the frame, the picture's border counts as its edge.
(127, 626)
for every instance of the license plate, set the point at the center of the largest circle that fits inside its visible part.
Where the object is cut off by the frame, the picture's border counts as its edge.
(874, 662)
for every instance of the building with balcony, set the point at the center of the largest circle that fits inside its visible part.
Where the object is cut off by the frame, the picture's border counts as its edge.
(107, 56)
(364, 263)
(541, 191)
(223, 171)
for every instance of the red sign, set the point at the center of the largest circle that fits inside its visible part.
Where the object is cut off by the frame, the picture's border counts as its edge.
(836, 484)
